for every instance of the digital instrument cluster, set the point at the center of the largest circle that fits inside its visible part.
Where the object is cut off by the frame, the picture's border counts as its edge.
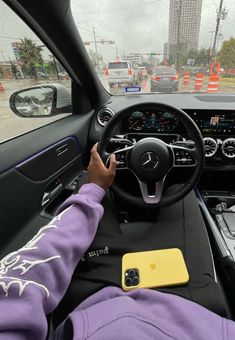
(152, 121)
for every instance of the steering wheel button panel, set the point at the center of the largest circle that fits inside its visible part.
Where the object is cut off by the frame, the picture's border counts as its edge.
(121, 157)
(182, 157)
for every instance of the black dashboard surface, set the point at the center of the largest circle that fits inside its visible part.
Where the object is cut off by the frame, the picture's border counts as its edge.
(213, 113)
(185, 101)
(213, 104)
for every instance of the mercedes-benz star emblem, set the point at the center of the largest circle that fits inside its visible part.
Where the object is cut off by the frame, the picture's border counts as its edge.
(149, 160)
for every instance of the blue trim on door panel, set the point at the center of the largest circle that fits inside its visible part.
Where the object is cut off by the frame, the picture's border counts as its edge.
(48, 148)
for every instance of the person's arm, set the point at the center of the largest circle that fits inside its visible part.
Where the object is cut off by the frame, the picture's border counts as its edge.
(34, 279)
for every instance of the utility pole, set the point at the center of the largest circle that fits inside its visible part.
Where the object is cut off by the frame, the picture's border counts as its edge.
(221, 15)
(117, 54)
(211, 40)
(55, 65)
(95, 42)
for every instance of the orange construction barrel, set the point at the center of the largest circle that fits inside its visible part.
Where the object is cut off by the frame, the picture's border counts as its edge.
(186, 78)
(198, 82)
(213, 84)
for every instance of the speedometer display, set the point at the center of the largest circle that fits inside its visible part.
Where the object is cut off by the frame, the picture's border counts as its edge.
(137, 121)
(152, 121)
(168, 122)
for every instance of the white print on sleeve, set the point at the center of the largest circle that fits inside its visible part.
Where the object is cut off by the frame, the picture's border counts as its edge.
(14, 261)
(21, 283)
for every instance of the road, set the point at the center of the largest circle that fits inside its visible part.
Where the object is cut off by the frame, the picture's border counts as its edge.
(145, 86)
(12, 125)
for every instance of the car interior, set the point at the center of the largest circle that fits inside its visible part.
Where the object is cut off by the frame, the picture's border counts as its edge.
(174, 184)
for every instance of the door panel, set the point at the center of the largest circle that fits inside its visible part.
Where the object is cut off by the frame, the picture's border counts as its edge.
(33, 182)
(46, 163)
(18, 149)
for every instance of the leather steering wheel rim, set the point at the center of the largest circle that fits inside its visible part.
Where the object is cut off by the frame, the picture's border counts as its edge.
(192, 131)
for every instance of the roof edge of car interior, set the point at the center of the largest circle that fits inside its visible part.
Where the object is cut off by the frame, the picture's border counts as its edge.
(75, 60)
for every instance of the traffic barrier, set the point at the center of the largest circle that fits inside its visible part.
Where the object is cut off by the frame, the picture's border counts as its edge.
(1, 87)
(198, 82)
(213, 84)
(186, 78)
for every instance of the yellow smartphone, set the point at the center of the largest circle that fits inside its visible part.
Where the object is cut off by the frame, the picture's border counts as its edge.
(155, 268)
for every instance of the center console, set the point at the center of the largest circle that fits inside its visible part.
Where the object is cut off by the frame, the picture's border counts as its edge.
(218, 130)
(219, 210)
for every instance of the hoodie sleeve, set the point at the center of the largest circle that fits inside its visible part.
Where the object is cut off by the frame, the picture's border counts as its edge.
(34, 278)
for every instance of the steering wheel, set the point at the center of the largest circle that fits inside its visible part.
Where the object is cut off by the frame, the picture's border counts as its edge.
(151, 159)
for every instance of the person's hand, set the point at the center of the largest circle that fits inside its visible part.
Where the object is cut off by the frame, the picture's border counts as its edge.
(97, 171)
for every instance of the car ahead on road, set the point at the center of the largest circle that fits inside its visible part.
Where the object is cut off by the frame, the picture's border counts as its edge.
(121, 73)
(165, 78)
(142, 72)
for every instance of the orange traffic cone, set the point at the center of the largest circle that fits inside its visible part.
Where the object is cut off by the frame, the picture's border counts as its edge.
(1, 87)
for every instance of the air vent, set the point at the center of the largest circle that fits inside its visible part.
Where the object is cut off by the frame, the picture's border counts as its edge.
(228, 147)
(104, 116)
(211, 146)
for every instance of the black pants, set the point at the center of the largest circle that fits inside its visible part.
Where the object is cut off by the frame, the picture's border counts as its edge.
(178, 226)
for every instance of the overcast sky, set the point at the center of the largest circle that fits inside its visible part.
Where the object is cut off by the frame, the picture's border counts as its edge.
(141, 25)
(134, 25)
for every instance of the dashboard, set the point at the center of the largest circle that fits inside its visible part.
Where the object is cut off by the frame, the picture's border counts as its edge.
(213, 114)
(215, 123)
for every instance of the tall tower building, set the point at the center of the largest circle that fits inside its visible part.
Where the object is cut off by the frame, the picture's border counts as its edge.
(184, 25)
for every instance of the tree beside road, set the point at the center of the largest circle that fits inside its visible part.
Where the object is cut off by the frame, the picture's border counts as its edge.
(226, 56)
(30, 55)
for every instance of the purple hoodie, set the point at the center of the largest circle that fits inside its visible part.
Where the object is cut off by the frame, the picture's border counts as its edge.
(34, 279)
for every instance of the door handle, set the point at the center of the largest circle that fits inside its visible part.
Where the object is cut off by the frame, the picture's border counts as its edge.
(49, 195)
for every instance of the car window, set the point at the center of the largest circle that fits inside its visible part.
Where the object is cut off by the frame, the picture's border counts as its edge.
(24, 62)
(196, 37)
(165, 70)
(117, 65)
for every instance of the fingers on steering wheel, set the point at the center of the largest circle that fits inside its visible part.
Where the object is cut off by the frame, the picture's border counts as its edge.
(112, 164)
(97, 159)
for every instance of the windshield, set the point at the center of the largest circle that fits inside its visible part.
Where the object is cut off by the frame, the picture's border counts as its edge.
(193, 39)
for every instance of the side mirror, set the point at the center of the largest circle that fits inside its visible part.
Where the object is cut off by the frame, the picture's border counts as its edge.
(41, 101)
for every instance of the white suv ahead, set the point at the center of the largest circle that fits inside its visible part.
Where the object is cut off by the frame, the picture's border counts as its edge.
(121, 72)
